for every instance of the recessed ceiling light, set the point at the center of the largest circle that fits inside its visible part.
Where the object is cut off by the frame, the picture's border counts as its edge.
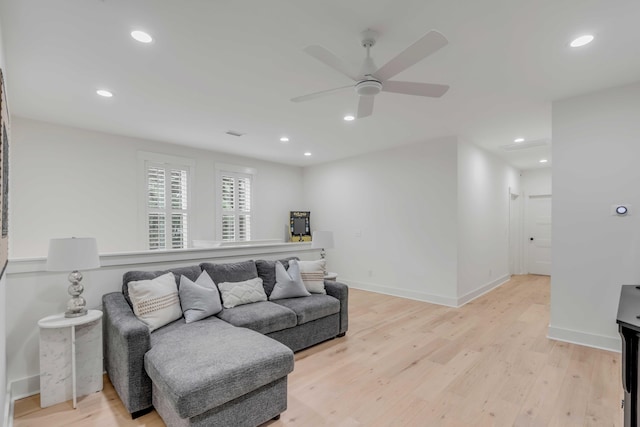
(284, 139)
(141, 36)
(105, 93)
(307, 154)
(543, 160)
(582, 40)
(518, 140)
(349, 118)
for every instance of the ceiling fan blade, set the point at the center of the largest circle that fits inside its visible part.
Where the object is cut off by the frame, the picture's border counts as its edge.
(365, 106)
(318, 94)
(328, 58)
(428, 44)
(412, 88)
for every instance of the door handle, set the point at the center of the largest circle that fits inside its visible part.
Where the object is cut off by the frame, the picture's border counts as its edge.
(531, 238)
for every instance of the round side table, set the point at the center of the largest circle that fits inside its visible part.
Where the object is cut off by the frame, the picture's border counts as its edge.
(84, 334)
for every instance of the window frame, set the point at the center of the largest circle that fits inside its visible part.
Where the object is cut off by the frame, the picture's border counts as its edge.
(167, 162)
(235, 172)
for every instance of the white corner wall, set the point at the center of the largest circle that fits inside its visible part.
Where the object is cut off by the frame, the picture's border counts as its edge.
(393, 214)
(596, 156)
(484, 181)
(67, 181)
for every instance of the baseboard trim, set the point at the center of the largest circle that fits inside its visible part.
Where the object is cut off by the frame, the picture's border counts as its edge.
(403, 293)
(601, 342)
(8, 408)
(25, 387)
(426, 297)
(483, 290)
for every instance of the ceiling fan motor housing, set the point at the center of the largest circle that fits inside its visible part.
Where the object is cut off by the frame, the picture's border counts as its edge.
(368, 87)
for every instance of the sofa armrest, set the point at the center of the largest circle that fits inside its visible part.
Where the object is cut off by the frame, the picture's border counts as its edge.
(341, 292)
(126, 340)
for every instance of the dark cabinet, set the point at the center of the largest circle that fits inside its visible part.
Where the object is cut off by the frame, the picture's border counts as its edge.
(629, 328)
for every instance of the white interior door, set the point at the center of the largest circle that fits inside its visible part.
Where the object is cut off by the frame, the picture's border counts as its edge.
(539, 239)
(515, 234)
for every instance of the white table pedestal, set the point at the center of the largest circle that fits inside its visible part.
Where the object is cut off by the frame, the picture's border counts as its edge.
(70, 357)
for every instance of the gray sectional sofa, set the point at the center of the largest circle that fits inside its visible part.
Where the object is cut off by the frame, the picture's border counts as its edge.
(225, 370)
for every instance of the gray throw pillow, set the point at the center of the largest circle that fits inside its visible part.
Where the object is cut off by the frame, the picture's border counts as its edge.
(289, 284)
(199, 299)
(267, 272)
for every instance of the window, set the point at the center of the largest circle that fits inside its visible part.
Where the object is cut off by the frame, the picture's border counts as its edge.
(166, 202)
(234, 205)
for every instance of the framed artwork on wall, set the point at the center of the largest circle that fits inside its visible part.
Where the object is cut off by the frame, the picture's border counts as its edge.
(4, 177)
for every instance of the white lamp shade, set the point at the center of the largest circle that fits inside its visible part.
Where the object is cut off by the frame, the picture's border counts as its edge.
(322, 240)
(74, 253)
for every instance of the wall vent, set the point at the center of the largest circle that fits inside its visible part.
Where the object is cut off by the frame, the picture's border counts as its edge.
(234, 133)
(525, 145)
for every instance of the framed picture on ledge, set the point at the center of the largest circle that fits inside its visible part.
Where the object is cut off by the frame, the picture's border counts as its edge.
(300, 226)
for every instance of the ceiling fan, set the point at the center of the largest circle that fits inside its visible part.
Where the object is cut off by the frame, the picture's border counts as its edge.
(371, 80)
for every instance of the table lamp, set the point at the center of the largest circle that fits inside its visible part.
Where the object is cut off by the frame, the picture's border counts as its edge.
(73, 254)
(322, 240)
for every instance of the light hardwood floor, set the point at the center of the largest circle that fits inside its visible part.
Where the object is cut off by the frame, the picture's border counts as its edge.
(409, 363)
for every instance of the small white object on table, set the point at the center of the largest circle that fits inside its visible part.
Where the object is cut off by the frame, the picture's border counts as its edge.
(67, 345)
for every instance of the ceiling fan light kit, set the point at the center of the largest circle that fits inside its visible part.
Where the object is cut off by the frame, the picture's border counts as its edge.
(372, 80)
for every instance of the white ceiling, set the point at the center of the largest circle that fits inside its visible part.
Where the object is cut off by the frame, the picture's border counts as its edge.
(218, 65)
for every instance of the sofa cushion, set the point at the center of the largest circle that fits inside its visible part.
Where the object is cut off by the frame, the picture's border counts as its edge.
(202, 365)
(199, 299)
(155, 302)
(231, 272)
(263, 317)
(289, 283)
(240, 293)
(311, 308)
(313, 273)
(267, 271)
(192, 272)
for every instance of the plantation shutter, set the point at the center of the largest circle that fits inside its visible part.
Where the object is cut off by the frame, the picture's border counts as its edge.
(167, 206)
(236, 206)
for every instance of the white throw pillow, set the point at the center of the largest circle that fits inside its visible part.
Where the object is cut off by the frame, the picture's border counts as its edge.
(238, 293)
(312, 273)
(156, 301)
(288, 283)
(199, 299)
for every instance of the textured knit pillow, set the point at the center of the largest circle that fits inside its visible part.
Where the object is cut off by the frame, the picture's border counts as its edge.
(199, 299)
(155, 301)
(288, 283)
(312, 273)
(239, 293)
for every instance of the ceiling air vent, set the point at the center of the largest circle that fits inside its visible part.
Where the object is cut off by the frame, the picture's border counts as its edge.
(525, 145)
(234, 133)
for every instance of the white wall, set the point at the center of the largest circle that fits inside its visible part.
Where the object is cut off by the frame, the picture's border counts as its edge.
(393, 214)
(68, 181)
(536, 181)
(596, 155)
(484, 181)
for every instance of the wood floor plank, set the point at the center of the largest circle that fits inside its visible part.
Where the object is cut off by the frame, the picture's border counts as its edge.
(410, 363)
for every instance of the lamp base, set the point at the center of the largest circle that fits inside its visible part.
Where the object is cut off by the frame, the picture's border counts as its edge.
(76, 306)
(80, 313)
